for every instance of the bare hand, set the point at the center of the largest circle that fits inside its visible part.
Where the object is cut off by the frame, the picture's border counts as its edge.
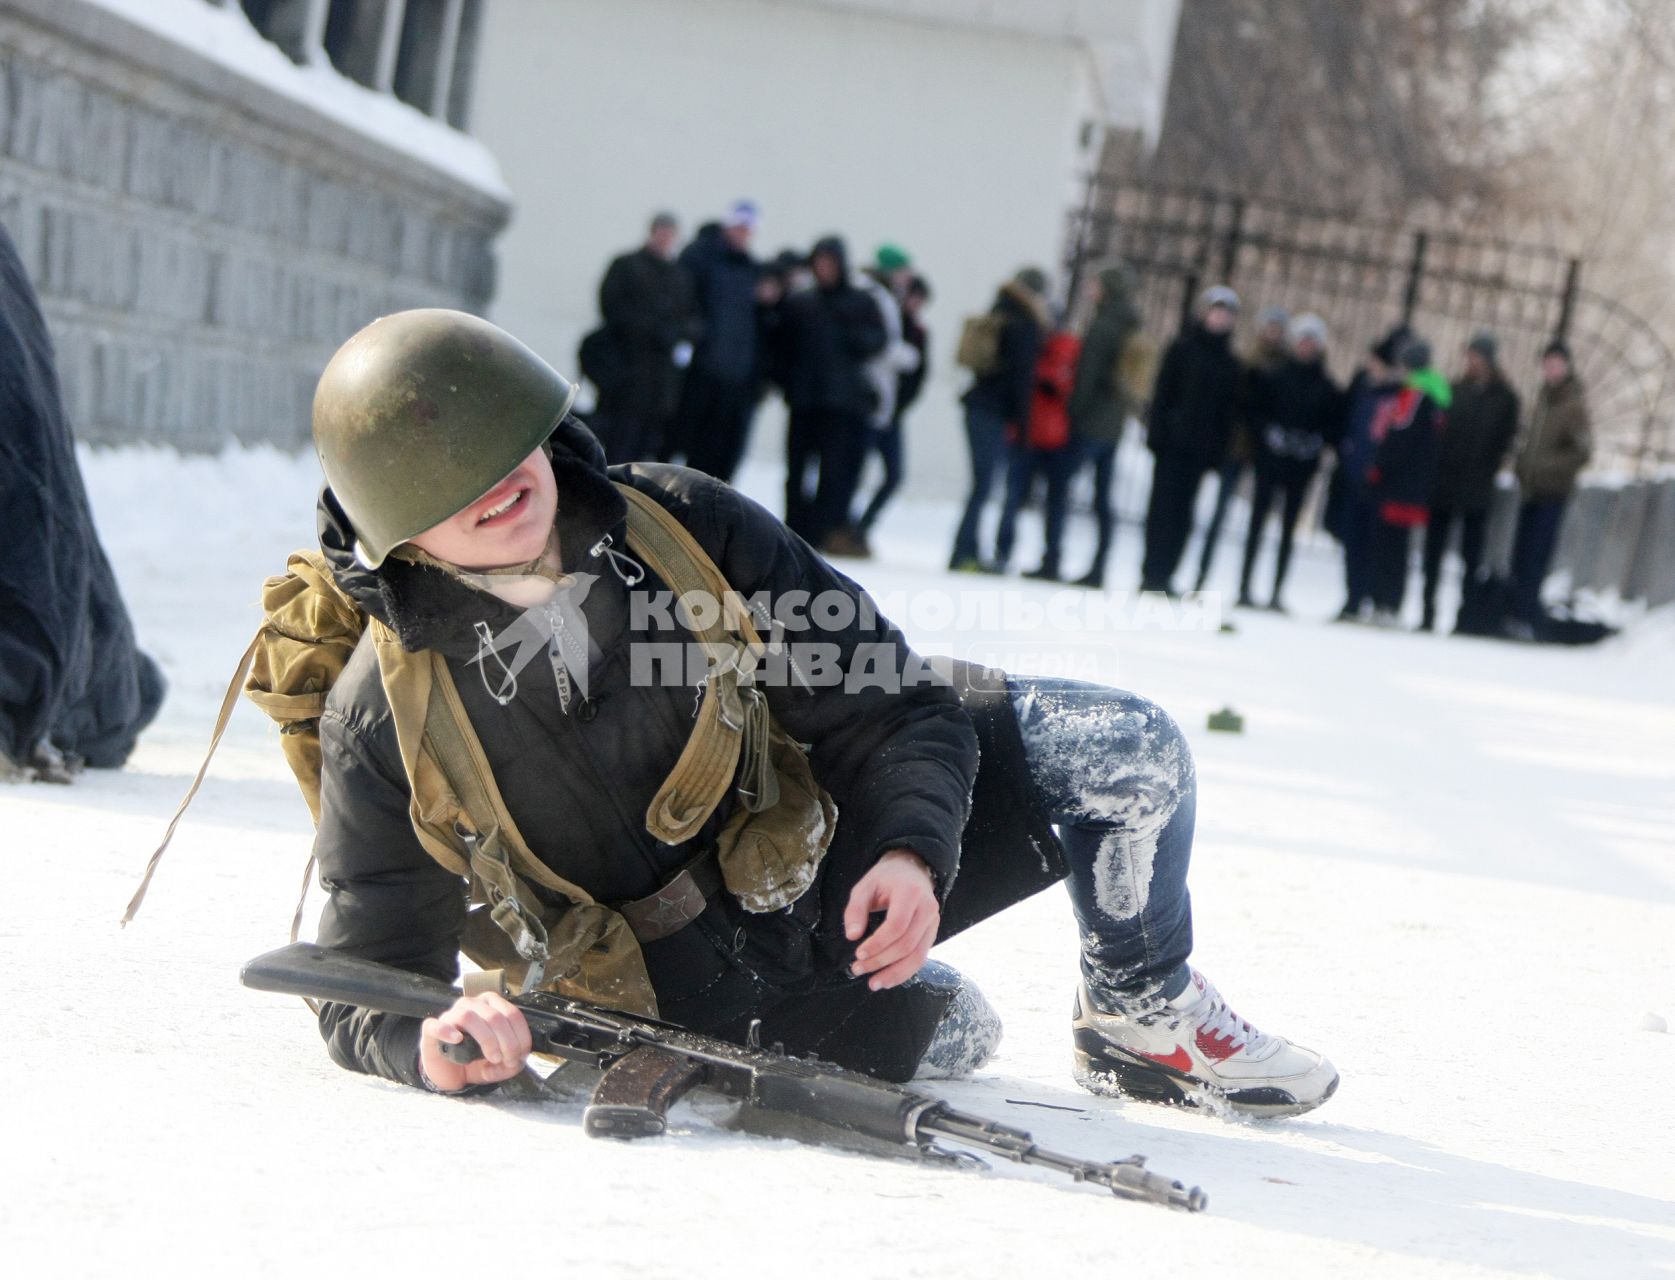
(498, 1027)
(899, 885)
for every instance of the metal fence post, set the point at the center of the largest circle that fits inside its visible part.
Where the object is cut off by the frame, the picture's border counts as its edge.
(1415, 276)
(1234, 238)
(1567, 303)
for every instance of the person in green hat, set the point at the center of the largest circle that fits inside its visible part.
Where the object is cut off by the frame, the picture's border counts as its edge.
(885, 282)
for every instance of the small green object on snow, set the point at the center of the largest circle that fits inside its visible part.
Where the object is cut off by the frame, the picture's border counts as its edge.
(1227, 720)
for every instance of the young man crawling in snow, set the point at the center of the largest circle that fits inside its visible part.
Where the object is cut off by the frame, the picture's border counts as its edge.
(780, 831)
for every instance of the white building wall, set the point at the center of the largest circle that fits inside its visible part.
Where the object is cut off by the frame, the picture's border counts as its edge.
(959, 144)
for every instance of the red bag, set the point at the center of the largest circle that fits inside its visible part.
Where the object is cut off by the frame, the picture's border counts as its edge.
(1049, 406)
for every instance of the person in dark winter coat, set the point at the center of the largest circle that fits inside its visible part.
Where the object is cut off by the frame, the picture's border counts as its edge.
(1407, 436)
(829, 333)
(999, 400)
(1099, 404)
(724, 381)
(944, 787)
(1296, 413)
(74, 689)
(651, 320)
(1556, 447)
(1351, 510)
(1194, 407)
(1482, 424)
(1268, 351)
(909, 384)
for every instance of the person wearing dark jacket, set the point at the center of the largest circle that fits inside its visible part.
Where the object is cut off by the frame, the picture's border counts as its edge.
(1296, 413)
(1099, 404)
(998, 401)
(1407, 435)
(1482, 424)
(1268, 351)
(1194, 406)
(1351, 510)
(724, 381)
(829, 333)
(74, 688)
(651, 320)
(941, 777)
(909, 384)
(1556, 447)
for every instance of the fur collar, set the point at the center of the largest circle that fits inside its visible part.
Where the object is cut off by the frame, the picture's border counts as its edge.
(1030, 301)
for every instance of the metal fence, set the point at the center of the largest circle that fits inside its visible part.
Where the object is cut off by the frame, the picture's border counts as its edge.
(1363, 277)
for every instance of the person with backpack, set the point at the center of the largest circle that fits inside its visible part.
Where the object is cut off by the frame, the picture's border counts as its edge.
(1000, 349)
(1100, 402)
(1045, 449)
(1194, 407)
(482, 679)
(1296, 412)
(1482, 424)
(909, 383)
(650, 324)
(1407, 435)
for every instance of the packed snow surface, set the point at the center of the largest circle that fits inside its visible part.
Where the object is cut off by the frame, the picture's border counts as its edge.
(1448, 864)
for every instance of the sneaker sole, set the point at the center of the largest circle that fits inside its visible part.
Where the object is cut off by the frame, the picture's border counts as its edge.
(1102, 1068)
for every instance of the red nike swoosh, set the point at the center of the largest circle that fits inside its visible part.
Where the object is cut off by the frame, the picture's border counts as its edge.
(1180, 1060)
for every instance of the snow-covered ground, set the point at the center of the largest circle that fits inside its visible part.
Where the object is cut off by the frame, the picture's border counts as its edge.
(1449, 864)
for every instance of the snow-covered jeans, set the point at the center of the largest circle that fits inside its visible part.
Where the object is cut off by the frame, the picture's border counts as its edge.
(1115, 775)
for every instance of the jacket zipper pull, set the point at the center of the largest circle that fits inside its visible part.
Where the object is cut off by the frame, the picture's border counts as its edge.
(561, 674)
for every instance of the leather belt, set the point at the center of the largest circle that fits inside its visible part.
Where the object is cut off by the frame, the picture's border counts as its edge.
(678, 903)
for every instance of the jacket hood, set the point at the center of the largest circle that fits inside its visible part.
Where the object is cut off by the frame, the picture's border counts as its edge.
(834, 246)
(1031, 303)
(1430, 381)
(429, 608)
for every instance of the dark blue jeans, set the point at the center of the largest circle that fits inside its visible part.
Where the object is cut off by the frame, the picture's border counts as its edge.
(1532, 552)
(887, 440)
(1022, 467)
(1116, 776)
(985, 435)
(1360, 521)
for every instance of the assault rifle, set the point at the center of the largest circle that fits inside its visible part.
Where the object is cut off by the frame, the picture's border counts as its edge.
(648, 1065)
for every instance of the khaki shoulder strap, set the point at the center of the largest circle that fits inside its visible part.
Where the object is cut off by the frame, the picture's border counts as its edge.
(586, 949)
(733, 719)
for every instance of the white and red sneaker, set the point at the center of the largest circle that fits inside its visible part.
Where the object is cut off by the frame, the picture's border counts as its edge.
(1195, 1051)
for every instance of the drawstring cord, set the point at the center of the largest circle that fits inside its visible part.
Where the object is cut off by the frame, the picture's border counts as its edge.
(509, 678)
(633, 575)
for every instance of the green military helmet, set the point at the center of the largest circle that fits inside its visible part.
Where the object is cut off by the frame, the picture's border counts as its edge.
(423, 412)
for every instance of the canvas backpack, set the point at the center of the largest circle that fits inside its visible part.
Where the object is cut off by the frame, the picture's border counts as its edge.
(1135, 375)
(979, 348)
(766, 855)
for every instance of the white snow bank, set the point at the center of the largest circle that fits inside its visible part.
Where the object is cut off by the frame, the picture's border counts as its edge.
(1448, 864)
(223, 34)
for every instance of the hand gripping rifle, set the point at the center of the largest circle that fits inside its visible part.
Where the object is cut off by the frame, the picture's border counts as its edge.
(649, 1065)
